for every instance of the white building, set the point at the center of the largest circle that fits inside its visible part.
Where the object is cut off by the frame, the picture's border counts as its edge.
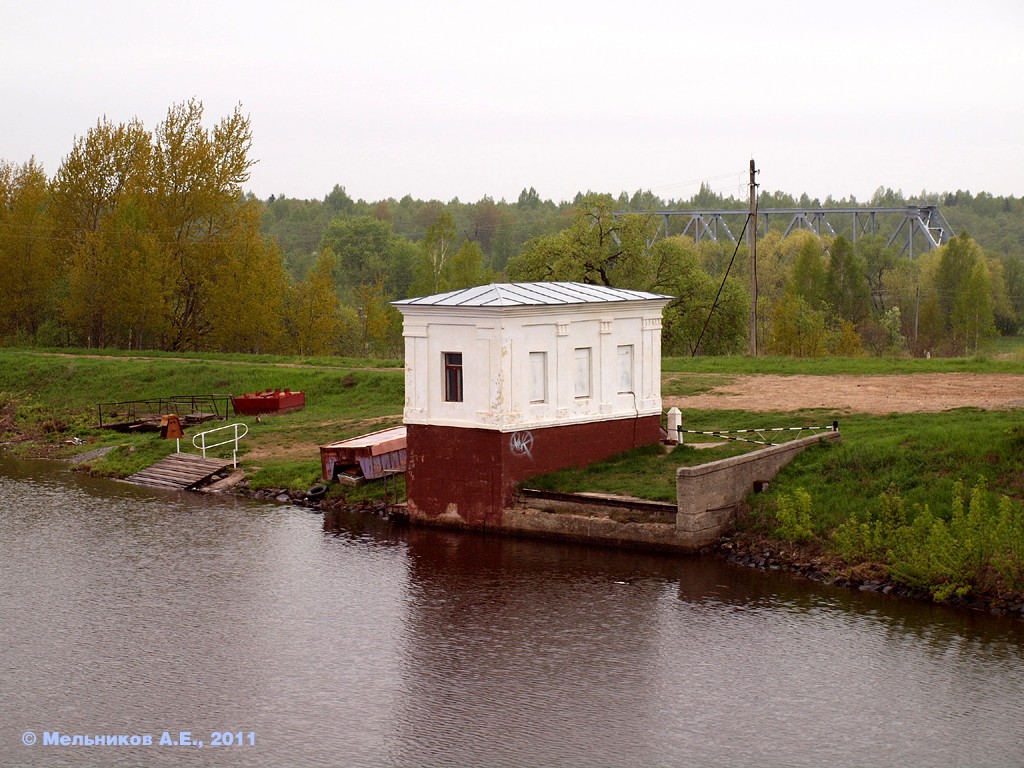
(569, 370)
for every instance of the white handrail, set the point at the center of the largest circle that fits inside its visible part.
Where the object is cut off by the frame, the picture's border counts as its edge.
(235, 439)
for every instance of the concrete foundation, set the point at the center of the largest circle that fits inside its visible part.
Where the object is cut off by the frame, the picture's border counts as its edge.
(475, 492)
(467, 477)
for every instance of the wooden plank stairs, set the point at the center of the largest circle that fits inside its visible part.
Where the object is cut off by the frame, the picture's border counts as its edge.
(179, 471)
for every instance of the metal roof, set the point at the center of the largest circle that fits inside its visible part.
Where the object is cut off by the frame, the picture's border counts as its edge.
(529, 294)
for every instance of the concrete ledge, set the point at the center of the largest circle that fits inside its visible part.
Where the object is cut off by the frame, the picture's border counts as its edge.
(594, 530)
(709, 495)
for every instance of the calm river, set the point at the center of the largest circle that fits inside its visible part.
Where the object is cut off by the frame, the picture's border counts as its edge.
(354, 642)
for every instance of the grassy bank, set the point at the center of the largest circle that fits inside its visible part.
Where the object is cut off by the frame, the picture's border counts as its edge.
(931, 500)
(48, 402)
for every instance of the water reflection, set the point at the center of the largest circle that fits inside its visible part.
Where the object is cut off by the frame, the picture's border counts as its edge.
(352, 640)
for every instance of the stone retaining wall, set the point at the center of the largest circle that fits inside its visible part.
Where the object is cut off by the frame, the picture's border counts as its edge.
(709, 495)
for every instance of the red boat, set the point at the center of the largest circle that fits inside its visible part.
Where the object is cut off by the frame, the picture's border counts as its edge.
(271, 401)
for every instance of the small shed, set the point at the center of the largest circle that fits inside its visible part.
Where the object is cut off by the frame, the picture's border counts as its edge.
(509, 380)
(367, 457)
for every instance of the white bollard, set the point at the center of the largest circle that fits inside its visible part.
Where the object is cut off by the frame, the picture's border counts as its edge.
(675, 422)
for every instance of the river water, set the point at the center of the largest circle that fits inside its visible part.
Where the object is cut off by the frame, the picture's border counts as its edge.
(351, 641)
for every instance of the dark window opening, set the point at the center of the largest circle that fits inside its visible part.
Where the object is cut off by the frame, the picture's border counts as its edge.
(453, 377)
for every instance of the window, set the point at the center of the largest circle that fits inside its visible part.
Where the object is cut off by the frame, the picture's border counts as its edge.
(625, 361)
(453, 377)
(583, 372)
(538, 377)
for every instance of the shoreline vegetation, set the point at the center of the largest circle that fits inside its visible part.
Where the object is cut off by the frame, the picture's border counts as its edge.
(921, 504)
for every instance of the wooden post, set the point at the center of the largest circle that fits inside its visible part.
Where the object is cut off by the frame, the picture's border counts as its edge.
(753, 260)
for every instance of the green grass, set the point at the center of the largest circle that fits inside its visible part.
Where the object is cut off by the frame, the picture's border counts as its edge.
(55, 400)
(921, 455)
(235, 357)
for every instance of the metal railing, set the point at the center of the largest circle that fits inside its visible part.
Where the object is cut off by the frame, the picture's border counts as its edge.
(727, 434)
(183, 406)
(204, 446)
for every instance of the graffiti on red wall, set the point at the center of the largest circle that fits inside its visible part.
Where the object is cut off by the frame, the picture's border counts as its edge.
(521, 444)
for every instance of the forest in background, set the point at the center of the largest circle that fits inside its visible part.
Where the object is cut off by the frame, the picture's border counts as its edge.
(147, 240)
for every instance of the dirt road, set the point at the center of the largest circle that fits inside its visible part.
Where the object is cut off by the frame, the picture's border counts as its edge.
(924, 392)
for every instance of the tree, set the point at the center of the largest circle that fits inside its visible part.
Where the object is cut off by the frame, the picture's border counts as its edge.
(27, 260)
(879, 260)
(201, 213)
(972, 317)
(808, 275)
(466, 268)
(846, 288)
(676, 271)
(117, 284)
(436, 249)
(312, 316)
(367, 248)
(103, 213)
(797, 328)
(247, 308)
(380, 324)
(598, 247)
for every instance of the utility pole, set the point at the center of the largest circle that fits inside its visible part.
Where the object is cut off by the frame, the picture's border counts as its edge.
(753, 259)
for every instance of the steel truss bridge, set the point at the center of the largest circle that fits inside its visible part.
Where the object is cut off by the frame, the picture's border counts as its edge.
(924, 224)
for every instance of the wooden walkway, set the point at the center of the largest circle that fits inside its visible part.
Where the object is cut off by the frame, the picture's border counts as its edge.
(179, 471)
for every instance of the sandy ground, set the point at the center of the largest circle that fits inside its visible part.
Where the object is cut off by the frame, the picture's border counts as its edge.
(925, 392)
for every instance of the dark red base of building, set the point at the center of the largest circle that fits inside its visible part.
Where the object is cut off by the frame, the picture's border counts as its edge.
(468, 476)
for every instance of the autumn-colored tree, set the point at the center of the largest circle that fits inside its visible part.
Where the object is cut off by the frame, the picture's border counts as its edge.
(247, 305)
(380, 324)
(103, 217)
(201, 214)
(313, 310)
(797, 328)
(27, 260)
(117, 294)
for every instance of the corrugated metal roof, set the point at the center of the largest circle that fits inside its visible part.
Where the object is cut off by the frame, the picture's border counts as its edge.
(530, 294)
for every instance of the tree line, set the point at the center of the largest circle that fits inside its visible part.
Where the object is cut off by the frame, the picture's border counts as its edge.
(146, 239)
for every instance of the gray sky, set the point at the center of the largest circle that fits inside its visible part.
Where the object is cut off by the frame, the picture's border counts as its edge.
(466, 99)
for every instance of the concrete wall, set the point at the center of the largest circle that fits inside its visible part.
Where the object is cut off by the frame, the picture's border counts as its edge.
(709, 495)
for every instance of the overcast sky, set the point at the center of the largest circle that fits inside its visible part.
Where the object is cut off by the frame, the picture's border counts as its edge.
(465, 99)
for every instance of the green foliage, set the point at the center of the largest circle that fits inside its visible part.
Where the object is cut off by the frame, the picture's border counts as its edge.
(871, 539)
(797, 328)
(293, 475)
(793, 516)
(846, 287)
(27, 261)
(146, 240)
(159, 245)
(313, 310)
(598, 248)
(978, 547)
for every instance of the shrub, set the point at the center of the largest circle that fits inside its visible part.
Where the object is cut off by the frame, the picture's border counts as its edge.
(794, 517)
(979, 548)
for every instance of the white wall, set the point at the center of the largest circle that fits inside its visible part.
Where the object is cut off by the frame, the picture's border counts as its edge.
(498, 381)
